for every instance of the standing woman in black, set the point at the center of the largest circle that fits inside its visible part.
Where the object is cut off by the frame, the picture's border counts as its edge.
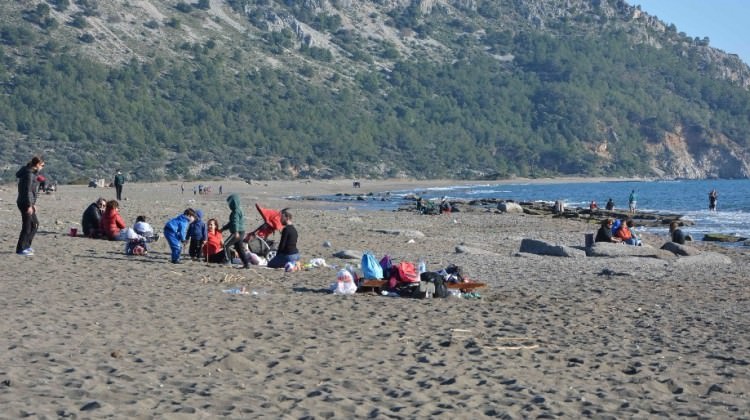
(26, 202)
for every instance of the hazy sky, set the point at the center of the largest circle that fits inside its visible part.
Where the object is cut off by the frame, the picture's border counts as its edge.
(725, 22)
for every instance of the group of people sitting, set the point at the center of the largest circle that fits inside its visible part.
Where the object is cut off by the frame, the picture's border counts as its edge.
(206, 242)
(612, 230)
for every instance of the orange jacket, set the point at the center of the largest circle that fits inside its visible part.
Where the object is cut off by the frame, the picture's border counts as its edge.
(624, 232)
(111, 223)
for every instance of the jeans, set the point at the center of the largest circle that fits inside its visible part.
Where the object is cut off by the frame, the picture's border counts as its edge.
(280, 260)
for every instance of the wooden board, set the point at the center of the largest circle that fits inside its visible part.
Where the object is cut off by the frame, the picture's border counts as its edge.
(379, 284)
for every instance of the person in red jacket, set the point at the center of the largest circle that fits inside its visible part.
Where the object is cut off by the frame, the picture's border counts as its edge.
(213, 248)
(112, 222)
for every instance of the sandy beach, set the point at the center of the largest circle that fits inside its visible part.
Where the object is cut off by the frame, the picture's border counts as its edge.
(89, 332)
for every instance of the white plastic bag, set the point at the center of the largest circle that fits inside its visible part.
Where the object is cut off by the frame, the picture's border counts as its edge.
(344, 283)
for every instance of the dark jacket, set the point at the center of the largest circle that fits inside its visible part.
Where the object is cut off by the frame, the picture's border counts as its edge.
(288, 242)
(27, 187)
(119, 179)
(91, 220)
(236, 218)
(604, 234)
(198, 230)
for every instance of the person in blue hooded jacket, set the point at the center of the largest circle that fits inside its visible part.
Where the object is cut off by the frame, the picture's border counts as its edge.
(176, 232)
(198, 233)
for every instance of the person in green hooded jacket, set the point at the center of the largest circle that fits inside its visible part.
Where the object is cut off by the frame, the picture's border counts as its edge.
(236, 228)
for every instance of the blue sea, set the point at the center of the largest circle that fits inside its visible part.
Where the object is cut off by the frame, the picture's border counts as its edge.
(686, 197)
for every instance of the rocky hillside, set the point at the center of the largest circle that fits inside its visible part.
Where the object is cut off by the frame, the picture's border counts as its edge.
(399, 73)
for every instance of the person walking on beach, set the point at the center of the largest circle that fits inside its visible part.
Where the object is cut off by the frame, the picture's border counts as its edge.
(713, 198)
(119, 182)
(287, 252)
(632, 202)
(26, 202)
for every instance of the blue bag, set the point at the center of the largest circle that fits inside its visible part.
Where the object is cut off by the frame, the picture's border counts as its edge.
(371, 268)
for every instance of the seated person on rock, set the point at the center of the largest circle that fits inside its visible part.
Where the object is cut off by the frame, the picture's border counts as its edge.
(677, 235)
(604, 234)
(92, 218)
(625, 233)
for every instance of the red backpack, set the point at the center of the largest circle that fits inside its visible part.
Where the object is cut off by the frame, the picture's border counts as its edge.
(407, 272)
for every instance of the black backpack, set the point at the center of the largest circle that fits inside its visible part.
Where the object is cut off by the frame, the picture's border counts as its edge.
(441, 289)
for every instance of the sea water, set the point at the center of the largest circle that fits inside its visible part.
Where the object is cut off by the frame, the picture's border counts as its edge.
(686, 197)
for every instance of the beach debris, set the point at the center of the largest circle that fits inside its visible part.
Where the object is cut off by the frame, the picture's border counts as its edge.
(410, 233)
(609, 273)
(349, 254)
(327, 244)
(91, 405)
(237, 291)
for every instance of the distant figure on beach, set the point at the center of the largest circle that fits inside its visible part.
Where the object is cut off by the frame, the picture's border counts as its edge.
(445, 205)
(182, 188)
(610, 205)
(713, 198)
(176, 232)
(221, 189)
(356, 184)
(678, 236)
(119, 182)
(632, 202)
(92, 218)
(559, 207)
(604, 234)
(287, 252)
(593, 206)
(26, 202)
(42, 182)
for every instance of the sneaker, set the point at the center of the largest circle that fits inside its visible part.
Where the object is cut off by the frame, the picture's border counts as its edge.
(26, 252)
(30, 249)
(177, 262)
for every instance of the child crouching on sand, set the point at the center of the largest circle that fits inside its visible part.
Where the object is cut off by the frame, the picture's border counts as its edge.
(175, 231)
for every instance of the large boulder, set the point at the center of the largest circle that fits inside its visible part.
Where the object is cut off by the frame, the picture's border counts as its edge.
(722, 237)
(510, 207)
(681, 250)
(612, 249)
(534, 246)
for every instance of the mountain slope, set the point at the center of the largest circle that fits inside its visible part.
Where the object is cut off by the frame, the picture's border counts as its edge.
(278, 89)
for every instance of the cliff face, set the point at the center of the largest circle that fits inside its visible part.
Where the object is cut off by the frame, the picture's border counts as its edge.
(690, 154)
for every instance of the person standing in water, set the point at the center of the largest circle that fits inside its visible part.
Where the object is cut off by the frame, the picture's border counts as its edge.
(713, 199)
(632, 202)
